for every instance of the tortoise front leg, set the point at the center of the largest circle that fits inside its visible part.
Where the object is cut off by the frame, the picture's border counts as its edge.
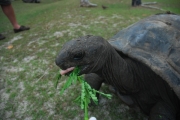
(95, 82)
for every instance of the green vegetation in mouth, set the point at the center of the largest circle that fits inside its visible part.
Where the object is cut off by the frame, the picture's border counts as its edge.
(87, 93)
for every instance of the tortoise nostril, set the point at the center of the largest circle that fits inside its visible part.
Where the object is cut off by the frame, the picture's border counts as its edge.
(58, 62)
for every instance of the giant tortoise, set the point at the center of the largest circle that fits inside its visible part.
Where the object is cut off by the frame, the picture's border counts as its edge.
(141, 62)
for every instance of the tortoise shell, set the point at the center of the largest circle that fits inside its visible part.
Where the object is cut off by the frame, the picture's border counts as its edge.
(155, 41)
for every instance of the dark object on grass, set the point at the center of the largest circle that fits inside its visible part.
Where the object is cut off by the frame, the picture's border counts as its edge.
(142, 63)
(2, 37)
(22, 28)
(136, 2)
(31, 1)
(104, 7)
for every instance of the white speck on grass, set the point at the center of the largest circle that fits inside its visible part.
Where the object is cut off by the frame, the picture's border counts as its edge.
(61, 33)
(54, 53)
(50, 24)
(2, 105)
(15, 61)
(117, 16)
(55, 45)
(58, 34)
(115, 25)
(69, 16)
(50, 83)
(92, 118)
(15, 39)
(22, 108)
(13, 78)
(35, 34)
(45, 62)
(8, 114)
(4, 97)
(74, 25)
(85, 26)
(41, 42)
(28, 118)
(101, 17)
(83, 32)
(1, 58)
(12, 69)
(32, 41)
(29, 58)
(50, 106)
(21, 86)
(97, 22)
(41, 50)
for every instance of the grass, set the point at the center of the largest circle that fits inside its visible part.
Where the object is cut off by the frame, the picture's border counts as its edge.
(28, 71)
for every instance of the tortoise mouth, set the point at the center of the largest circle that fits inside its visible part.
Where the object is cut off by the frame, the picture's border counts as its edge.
(67, 71)
(83, 70)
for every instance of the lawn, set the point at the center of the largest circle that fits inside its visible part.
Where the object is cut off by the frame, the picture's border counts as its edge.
(27, 68)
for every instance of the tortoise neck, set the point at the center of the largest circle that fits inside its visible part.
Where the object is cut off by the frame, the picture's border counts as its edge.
(117, 71)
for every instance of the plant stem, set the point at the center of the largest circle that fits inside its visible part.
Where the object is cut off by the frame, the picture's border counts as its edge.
(85, 110)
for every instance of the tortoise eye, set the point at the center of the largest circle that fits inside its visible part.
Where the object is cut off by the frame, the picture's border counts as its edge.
(78, 56)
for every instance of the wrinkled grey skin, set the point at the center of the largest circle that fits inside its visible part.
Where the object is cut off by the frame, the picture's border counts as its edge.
(135, 82)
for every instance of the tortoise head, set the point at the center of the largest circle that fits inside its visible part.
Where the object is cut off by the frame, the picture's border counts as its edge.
(87, 52)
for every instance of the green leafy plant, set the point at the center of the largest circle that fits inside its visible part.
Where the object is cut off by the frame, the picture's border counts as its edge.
(87, 93)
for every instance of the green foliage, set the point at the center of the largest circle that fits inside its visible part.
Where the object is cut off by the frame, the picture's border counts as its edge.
(87, 93)
(58, 77)
(72, 79)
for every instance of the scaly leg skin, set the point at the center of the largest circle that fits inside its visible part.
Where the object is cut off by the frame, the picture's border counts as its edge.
(162, 111)
(95, 82)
